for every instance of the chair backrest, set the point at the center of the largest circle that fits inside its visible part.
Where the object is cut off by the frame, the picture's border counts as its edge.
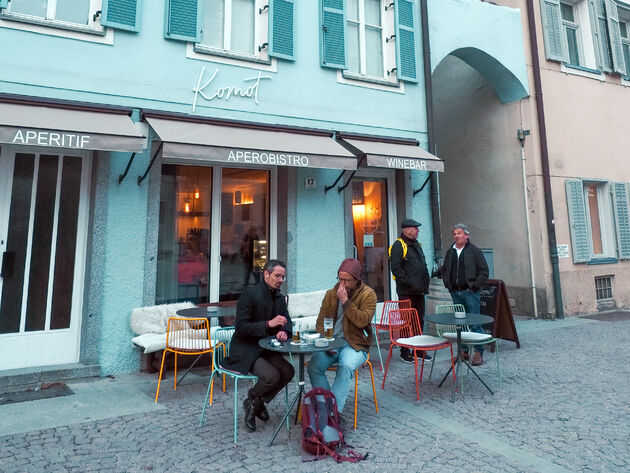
(224, 335)
(447, 308)
(188, 334)
(404, 323)
(392, 305)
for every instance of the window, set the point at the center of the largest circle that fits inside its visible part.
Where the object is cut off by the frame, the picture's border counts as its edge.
(572, 34)
(603, 288)
(68, 14)
(624, 30)
(369, 39)
(599, 221)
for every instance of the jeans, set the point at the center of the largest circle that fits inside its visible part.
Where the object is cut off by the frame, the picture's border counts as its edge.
(470, 301)
(347, 359)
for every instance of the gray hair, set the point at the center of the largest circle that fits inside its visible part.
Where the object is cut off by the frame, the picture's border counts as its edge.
(462, 226)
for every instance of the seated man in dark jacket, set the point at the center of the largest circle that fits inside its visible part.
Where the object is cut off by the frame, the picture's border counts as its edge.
(261, 312)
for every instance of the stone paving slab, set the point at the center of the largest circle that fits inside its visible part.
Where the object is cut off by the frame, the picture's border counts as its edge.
(562, 406)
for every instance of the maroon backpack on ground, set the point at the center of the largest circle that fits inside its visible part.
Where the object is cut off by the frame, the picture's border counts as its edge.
(321, 433)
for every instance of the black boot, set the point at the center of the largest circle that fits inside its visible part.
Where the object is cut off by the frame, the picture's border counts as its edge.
(261, 410)
(249, 404)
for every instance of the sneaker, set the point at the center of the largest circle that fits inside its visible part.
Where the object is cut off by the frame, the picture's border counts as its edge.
(427, 357)
(477, 359)
(406, 357)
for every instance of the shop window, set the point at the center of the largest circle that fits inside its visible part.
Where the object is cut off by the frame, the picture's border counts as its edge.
(603, 288)
(66, 14)
(599, 221)
(250, 30)
(371, 40)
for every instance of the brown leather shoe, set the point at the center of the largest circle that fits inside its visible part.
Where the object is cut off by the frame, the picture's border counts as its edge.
(465, 355)
(477, 359)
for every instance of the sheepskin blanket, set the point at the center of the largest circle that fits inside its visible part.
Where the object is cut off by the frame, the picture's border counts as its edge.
(154, 319)
(305, 304)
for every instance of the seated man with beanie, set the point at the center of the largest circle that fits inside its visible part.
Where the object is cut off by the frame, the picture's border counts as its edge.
(351, 305)
(261, 312)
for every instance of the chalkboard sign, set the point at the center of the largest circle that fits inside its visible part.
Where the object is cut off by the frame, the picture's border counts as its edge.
(495, 303)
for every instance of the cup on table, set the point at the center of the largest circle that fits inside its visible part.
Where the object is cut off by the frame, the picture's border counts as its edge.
(328, 327)
(296, 332)
(460, 315)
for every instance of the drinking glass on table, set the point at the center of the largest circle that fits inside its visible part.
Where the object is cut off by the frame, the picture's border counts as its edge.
(296, 332)
(328, 327)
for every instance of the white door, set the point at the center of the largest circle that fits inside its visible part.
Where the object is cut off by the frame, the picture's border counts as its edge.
(43, 221)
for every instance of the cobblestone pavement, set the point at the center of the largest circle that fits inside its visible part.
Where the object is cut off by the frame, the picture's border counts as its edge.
(562, 406)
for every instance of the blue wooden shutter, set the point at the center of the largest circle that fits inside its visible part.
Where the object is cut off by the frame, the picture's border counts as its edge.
(599, 26)
(4, 3)
(405, 40)
(577, 221)
(552, 30)
(622, 218)
(281, 27)
(614, 36)
(182, 20)
(332, 44)
(122, 14)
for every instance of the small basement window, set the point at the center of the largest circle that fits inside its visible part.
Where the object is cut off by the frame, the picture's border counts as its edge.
(603, 288)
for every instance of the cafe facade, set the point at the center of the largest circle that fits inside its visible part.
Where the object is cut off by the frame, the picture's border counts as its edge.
(155, 155)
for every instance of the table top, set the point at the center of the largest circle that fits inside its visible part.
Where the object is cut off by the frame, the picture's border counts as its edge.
(287, 347)
(448, 318)
(217, 311)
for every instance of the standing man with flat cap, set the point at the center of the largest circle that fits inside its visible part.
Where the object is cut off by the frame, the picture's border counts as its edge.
(410, 271)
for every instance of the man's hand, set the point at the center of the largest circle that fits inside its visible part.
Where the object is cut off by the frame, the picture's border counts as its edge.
(342, 293)
(282, 336)
(277, 321)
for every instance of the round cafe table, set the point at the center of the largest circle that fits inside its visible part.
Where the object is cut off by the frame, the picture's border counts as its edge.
(448, 318)
(301, 350)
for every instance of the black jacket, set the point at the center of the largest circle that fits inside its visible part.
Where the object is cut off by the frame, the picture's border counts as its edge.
(255, 307)
(412, 276)
(475, 267)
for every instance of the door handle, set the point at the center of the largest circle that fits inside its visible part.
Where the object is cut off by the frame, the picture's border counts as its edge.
(8, 264)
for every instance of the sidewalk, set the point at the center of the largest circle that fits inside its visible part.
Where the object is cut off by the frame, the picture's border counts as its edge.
(562, 407)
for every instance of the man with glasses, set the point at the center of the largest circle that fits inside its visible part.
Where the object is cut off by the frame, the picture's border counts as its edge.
(261, 312)
(351, 305)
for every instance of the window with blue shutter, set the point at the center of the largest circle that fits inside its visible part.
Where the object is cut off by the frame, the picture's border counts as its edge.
(614, 36)
(578, 224)
(281, 27)
(182, 20)
(405, 40)
(622, 218)
(122, 14)
(333, 34)
(552, 30)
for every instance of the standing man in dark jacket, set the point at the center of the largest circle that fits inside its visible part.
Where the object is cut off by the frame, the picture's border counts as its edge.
(411, 274)
(463, 272)
(261, 312)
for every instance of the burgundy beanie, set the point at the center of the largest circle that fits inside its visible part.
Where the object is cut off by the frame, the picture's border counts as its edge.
(353, 267)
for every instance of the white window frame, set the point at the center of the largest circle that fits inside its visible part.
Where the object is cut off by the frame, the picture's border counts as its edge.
(606, 221)
(388, 30)
(93, 27)
(225, 55)
(624, 17)
(583, 25)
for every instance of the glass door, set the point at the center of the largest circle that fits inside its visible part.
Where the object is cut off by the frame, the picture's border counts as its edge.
(43, 220)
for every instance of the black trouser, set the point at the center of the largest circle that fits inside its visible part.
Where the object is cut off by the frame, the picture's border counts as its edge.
(274, 373)
(417, 302)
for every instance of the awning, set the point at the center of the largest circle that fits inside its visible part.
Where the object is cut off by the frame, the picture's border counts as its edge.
(249, 146)
(37, 125)
(382, 154)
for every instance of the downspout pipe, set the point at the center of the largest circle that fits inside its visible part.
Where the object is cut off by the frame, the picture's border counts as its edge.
(544, 158)
(428, 87)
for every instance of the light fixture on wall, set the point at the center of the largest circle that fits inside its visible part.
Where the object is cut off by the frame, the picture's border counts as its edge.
(240, 198)
(187, 205)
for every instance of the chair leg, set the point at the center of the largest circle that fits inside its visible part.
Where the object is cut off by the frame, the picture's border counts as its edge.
(356, 396)
(235, 407)
(286, 401)
(496, 349)
(389, 355)
(373, 387)
(175, 374)
(378, 347)
(208, 394)
(415, 363)
(432, 362)
(157, 393)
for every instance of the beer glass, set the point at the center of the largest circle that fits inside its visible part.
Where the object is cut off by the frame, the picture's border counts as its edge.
(328, 327)
(296, 332)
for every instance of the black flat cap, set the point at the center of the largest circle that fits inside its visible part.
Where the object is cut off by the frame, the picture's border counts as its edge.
(409, 222)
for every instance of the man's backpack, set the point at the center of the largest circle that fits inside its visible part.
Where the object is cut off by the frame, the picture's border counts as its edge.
(403, 243)
(321, 433)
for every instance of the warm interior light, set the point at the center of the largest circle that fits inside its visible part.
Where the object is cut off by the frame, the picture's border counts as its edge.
(187, 206)
(196, 193)
(358, 211)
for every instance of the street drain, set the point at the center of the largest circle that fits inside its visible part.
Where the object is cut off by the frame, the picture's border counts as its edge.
(43, 391)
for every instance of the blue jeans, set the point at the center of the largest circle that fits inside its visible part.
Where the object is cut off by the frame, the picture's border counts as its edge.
(347, 359)
(470, 301)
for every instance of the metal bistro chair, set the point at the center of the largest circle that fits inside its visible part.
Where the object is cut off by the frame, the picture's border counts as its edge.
(405, 331)
(185, 336)
(383, 323)
(468, 336)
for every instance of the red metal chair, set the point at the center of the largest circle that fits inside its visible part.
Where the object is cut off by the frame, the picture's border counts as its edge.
(405, 331)
(383, 323)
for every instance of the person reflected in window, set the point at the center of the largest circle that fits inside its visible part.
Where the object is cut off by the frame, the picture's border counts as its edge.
(247, 257)
(192, 269)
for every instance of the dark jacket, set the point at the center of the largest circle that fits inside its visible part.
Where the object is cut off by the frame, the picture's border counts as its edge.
(475, 267)
(412, 276)
(357, 315)
(255, 307)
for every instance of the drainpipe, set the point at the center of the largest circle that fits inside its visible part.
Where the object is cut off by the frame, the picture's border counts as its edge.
(428, 87)
(544, 158)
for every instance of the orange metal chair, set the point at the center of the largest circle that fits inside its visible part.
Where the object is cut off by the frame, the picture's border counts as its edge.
(383, 323)
(405, 331)
(185, 336)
